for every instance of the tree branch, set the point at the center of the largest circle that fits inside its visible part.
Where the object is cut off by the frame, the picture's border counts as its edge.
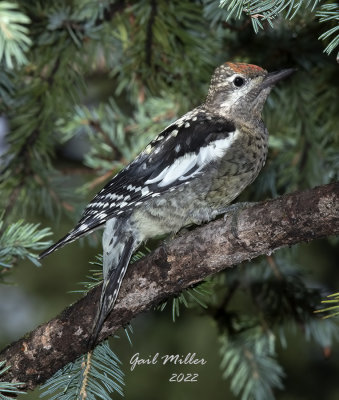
(261, 229)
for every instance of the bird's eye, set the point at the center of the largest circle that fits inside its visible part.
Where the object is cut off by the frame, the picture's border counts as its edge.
(238, 81)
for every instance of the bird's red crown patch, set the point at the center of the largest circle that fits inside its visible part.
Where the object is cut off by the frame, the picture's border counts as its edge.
(244, 68)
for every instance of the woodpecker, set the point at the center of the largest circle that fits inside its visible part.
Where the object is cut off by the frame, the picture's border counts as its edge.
(187, 175)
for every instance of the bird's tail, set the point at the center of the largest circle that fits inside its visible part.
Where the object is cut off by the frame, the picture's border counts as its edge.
(118, 248)
(80, 230)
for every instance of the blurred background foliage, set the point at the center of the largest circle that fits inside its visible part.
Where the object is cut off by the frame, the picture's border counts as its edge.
(84, 86)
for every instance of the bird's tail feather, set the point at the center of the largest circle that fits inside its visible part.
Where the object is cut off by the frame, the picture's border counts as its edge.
(62, 242)
(75, 234)
(111, 287)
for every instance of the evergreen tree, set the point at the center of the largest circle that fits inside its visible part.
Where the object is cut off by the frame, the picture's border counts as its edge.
(155, 59)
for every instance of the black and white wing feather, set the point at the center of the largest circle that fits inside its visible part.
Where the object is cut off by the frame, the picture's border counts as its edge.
(179, 154)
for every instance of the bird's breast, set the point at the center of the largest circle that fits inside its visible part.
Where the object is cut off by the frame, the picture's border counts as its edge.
(239, 166)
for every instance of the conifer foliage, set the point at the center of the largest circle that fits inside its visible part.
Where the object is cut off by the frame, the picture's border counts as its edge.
(156, 57)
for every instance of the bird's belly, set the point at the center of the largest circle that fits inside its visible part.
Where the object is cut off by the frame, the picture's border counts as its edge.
(170, 212)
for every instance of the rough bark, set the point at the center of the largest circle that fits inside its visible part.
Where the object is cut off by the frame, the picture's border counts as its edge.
(261, 228)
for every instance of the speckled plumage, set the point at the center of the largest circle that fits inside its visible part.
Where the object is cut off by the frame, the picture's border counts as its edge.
(187, 175)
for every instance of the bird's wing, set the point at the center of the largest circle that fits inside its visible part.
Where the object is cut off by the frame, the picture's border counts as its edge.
(177, 156)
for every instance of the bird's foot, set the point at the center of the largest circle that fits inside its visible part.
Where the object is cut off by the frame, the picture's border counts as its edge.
(233, 213)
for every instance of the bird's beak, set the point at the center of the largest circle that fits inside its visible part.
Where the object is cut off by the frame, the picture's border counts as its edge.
(273, 77)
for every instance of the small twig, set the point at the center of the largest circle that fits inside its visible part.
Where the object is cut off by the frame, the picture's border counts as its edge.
(274, 267)
(97, 126)
(12, 201)
(87, 366)
(149, 33)
(100, 179)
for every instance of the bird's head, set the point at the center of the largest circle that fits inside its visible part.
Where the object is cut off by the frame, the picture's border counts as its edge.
(238, 88)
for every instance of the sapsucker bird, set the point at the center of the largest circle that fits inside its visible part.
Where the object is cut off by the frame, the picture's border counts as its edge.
(187, 175)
